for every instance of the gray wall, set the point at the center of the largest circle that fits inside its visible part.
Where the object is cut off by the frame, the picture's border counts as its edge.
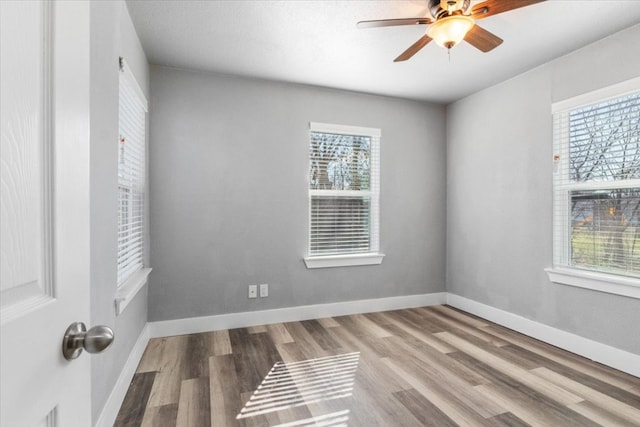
(499, 200)
(228, 170)
(112, 35)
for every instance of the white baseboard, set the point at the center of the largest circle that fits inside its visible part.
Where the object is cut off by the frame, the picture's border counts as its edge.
(114, 402)
(602, 353)
(291, 314)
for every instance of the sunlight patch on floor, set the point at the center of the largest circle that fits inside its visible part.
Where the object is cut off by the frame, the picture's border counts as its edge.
(292, 384)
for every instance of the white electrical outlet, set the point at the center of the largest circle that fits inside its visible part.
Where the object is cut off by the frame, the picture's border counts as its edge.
(264, 290)
(253, 291)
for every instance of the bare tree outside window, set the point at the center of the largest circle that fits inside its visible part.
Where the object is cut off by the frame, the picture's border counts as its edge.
(604, 154)
(340, 196)
(339, 162)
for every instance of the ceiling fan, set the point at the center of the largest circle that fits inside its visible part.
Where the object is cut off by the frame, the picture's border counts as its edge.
(451, 22)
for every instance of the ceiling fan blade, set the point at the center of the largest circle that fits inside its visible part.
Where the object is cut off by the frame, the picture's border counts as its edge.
(482, 39)
(493, 7)
(414, 48)
(393, 22)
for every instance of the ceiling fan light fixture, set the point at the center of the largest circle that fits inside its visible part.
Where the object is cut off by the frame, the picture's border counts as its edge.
(450, 30)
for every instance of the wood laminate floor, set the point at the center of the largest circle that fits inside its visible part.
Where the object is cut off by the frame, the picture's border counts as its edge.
(430, 366)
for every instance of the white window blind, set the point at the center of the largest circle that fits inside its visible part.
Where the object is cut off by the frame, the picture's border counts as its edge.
(344, 190)
(597, 184)
(131, 175)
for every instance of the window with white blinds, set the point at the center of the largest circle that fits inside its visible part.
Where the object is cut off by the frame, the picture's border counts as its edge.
(344, 190)
(597, 184)
(131, 175)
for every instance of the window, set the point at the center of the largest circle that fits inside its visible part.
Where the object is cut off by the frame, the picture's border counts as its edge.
(597, 182)
(344, 193)
(131, 176)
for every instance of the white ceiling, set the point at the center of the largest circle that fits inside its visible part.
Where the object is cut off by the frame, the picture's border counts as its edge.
(316, 42)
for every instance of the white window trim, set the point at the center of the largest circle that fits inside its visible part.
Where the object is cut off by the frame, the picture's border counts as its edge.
(587, 279)
(127, 290)
(351, 260)
(344, 129)
(130, 288)
(614, 91)
(126, 71)
(594, 280)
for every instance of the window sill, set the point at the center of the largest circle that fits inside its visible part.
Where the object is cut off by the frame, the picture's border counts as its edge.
(129, 289)
(343, 260)
(602, 282)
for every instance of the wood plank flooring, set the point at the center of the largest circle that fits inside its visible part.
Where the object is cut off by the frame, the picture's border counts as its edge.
(429, 366)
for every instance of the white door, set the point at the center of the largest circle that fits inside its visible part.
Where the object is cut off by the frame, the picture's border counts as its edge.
(44, 210)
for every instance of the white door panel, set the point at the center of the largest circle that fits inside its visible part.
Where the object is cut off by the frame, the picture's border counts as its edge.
(44, 221)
